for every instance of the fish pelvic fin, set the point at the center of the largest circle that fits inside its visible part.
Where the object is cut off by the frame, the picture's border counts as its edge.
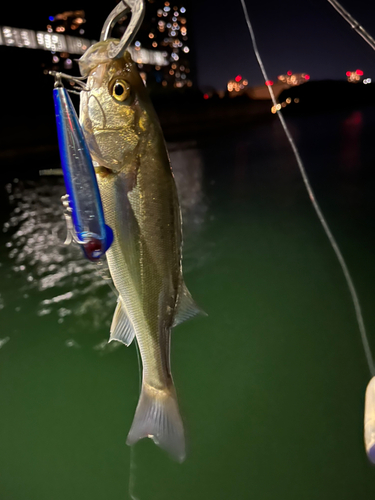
(122, 328)
(157, 416)
(186, 306)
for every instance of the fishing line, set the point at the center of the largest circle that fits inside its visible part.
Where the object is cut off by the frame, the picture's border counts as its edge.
(319, 213)
(133, 467)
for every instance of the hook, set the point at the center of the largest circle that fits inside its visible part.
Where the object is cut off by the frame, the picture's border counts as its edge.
(137, 8)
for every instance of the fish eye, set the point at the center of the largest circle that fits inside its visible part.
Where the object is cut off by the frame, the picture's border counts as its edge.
(120, 90)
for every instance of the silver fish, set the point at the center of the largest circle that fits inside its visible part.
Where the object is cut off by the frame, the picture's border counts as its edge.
(141, 206)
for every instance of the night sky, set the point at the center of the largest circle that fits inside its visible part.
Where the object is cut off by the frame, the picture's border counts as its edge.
(299, 35)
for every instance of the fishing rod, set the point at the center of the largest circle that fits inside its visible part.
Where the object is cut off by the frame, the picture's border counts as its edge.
(353, 23)
(369, 414)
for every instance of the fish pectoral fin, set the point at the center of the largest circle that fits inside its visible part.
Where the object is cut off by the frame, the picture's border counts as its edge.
(186, 307)
(122, 329)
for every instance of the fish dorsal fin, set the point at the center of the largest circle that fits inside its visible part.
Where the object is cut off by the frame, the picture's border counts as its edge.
(186, 307)
(121, 327)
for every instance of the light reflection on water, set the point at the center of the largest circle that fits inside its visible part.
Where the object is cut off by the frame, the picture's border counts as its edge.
(36, 229)
(69, 286)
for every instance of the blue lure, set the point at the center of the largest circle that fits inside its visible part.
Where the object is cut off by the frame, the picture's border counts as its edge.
(84, 210)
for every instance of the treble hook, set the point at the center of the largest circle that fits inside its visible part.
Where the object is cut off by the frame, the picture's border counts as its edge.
(137, 8)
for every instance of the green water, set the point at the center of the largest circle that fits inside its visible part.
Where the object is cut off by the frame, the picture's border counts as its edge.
(271, 384)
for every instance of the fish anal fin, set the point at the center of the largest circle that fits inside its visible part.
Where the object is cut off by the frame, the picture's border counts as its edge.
(186, 307)
(122, 329)
(157, 417)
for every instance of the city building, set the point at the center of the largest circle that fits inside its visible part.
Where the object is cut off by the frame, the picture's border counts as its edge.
(161, 49)
(293, 79)
(237, 86)
(354, 76)
(71, 24)
(283, 82)
(166, 28)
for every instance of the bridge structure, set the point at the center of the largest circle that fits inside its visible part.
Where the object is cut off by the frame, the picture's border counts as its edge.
(57, 42)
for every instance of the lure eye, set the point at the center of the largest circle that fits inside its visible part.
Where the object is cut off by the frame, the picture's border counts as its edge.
(120, 90)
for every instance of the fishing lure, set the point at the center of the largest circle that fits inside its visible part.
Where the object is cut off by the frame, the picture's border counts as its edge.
(84, 211)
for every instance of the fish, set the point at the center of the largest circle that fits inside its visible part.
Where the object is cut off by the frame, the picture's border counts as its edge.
(141, 206)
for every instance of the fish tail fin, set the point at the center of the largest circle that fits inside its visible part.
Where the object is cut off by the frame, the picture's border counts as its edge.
(157, 416)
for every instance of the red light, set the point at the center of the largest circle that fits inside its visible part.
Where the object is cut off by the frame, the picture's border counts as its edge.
(290, 73)
(307, 77)
(238, 78)
(206, 96)
(359, 72)
(348, 73)
(269, 82)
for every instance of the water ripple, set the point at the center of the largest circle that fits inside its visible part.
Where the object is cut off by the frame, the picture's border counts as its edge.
(36, 229)
(66, 284)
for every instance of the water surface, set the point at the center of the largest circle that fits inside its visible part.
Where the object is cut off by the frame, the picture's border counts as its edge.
(271, 384)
